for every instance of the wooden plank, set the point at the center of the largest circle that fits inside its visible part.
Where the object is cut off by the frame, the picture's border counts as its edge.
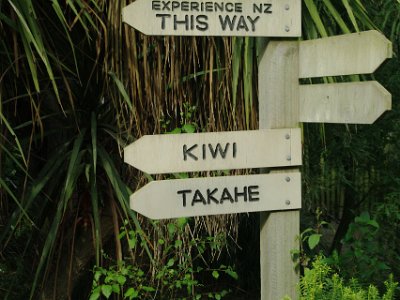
(173, 153)
(356, 53)
(220, 18)
(167, 199)
(278, 108)
(353, 102)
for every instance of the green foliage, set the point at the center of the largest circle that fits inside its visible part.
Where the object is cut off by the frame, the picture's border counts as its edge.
(310, 239)
(360, 264)
(177, 271)
(76, 86)
(321, 283)
(362, 252)
(187, 122)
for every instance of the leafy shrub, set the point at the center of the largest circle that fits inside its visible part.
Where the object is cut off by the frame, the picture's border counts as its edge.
(174, 274)
(321, 282)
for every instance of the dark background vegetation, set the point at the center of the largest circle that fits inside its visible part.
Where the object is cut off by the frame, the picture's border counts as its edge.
(76, 86)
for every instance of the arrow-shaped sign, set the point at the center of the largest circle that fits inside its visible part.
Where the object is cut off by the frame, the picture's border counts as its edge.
(219, 18)
(173, 153)
(218, 195)
(355, 53)
(353, 102)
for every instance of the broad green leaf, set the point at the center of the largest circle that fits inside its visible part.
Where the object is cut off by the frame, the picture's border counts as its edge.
(121, 279)
(131, 293)
(106, 290)
(170, 262)
(232, 273)
(95, 293)
(313, 240)
(189, 128)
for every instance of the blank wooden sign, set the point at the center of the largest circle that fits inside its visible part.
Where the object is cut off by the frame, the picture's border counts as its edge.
(355, 53)
(353, 102)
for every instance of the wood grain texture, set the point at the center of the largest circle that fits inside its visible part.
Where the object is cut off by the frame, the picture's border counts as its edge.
(352, 102)
(278, 108)
(355, 53)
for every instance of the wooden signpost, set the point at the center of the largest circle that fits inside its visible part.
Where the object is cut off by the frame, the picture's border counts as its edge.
(173, 153)
(218, 18)
(278, 108)
(218, 195)
(283, 104)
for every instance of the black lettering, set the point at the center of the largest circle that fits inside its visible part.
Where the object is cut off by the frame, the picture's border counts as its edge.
(257, 8)
(163, 16)
(219, 6)
(218, 148)
(210, 196)
(179, 22)
(234, 150)
(243, 194)
(186, 152)
(202, 22)
(166, 5)
(267, 8)
(198, 197)
(175, 4)
(191, 22)
(226, 196)
(194, 6)
(238, 7)
(208, 6)
(185, 6)
(184, 192)
(262, 8)
(229, 7)
(253, 191)
(253, 22)
(227, 22)
(155, 5)
(242, 24)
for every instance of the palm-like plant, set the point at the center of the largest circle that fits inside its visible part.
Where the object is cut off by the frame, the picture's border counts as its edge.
(75, 86)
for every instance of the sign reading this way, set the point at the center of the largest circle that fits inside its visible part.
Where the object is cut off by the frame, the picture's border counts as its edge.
(191, 152)
(215, 18)
(218, 195)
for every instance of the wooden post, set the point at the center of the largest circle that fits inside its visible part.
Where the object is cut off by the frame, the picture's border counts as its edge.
(278, 108)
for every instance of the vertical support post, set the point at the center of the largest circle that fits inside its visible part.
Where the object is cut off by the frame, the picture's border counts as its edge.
(279, 108)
